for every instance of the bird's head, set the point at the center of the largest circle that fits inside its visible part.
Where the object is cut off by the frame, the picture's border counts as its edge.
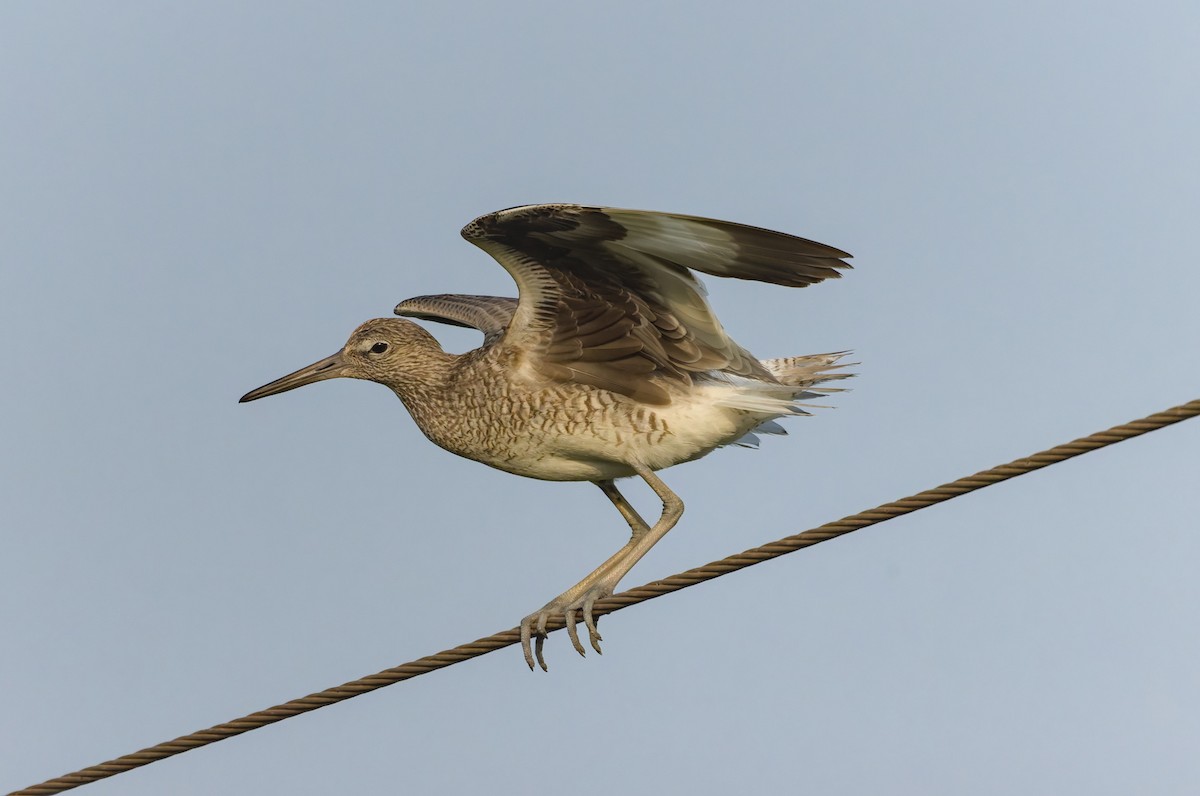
(391, 351)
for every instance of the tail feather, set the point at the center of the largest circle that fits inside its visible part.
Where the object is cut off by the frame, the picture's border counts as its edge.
(799, 379)
(809, 371)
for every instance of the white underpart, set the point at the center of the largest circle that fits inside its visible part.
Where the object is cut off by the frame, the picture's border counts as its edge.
(713, 414)
(752, 395)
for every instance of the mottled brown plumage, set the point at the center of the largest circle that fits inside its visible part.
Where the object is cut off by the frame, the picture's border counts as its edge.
(610, 364)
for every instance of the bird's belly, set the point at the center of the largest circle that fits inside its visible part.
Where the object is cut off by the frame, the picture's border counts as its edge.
(602, 444)
(557, 467)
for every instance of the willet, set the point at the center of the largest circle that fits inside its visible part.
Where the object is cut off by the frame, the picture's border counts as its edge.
(611, 363)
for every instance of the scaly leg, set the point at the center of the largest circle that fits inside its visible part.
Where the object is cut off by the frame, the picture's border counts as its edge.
(637, 527)
(602, 581)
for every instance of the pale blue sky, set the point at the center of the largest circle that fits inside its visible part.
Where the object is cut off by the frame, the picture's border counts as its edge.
(199, 197)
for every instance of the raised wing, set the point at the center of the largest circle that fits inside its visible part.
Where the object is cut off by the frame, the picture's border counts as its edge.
(488, 314)
(606, 297)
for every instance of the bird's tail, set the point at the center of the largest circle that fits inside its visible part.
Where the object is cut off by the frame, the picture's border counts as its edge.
(797, 379)
(810, 372)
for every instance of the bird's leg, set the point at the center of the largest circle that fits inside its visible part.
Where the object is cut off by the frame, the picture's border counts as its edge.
(602, 581)
(636, 524)
(637, 527)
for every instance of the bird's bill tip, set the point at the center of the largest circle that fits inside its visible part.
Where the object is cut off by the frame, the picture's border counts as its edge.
(328, 368)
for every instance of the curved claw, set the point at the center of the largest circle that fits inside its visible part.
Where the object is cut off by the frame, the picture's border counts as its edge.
(538, 637)
(590, 621)
(537, 646)
(525, 637)
(543, 618)
(534, 627)
(573, 632)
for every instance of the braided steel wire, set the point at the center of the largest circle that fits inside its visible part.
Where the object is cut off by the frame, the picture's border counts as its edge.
(640, 594)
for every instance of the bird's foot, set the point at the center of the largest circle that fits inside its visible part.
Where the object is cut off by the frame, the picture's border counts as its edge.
(570, 606)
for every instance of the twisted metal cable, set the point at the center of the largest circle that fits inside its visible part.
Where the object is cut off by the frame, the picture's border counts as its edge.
(657, 588)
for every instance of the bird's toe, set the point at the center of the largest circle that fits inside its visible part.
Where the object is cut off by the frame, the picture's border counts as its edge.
(526, 638)
(590, 621)
(535, 627)
(573, 632)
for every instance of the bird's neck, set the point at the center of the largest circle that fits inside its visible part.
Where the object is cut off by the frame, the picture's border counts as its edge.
(446, 394)
(424, 377)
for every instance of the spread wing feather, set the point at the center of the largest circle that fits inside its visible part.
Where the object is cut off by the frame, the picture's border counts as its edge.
(607, 297)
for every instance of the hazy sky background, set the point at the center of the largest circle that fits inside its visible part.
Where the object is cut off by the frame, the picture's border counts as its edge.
(196, 198)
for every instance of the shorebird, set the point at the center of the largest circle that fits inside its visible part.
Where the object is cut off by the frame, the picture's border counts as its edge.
(610, 364)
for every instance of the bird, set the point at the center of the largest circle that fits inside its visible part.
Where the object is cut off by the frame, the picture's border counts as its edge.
(609, 364)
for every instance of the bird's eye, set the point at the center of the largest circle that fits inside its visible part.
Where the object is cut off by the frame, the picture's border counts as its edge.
(379, 348)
